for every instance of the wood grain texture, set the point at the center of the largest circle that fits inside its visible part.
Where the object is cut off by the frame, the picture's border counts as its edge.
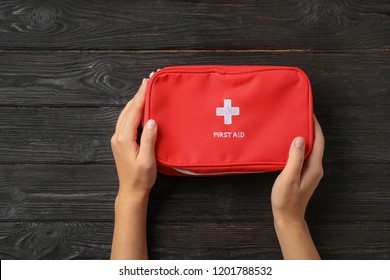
(82, 135)
(190, 240)
(39, 135)
(55, 240)
(111, 78)
(257, 240)
(170, 24)
(348, 192)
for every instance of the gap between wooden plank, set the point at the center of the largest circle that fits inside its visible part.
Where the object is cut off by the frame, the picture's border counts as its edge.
(341, 51)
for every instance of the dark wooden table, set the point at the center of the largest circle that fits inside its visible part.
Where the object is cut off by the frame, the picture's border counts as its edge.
(67, 68)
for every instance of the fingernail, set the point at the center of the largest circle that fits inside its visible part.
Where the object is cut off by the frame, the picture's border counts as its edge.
(150, 124)
(299, 142)
(143, 81)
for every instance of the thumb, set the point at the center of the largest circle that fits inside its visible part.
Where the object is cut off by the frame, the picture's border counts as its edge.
(295, 160)
(148, 140)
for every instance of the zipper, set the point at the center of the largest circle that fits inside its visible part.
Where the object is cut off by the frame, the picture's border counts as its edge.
(187, 172)
(153, 72)
(222, 69)
(197, 67)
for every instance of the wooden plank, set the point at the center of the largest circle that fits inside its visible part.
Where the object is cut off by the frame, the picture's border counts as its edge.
(57, 192)
(348, 192)
(257, 240)
(189, 240)
(111, 78)
(167, 24)
(52, 135)
(82, 135)
(55, 240)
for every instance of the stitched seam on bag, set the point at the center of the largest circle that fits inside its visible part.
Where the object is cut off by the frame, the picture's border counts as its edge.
(212, 70)
(222, 165)
(212, 164)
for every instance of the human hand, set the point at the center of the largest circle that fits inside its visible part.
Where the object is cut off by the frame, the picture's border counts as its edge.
(136, 164)
(291, 193)
(297, 182)
(137, 172)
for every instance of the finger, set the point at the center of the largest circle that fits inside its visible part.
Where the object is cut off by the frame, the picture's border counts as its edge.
(147, 145)
(313, 165)
(296, 156)
(317, 152)
(128, 106)
(132, 116)
(120, 118)
(126, 109)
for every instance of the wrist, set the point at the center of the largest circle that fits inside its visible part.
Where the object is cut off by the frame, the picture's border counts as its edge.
(128, 195)
(289, 216)
(125, 206)
(283, 225)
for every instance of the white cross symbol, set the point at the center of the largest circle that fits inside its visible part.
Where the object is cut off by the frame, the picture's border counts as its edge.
(227, 111)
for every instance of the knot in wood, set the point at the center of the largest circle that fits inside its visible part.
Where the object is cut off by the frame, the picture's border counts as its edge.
(329, 11)
(110, 76)
(41, 18)
(324, 15)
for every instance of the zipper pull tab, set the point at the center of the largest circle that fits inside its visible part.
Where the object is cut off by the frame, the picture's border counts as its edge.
(153, 72)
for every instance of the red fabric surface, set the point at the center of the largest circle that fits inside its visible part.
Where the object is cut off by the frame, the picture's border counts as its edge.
(274, 106)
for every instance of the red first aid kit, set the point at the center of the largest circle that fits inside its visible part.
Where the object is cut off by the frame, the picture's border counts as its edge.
(216, 120)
